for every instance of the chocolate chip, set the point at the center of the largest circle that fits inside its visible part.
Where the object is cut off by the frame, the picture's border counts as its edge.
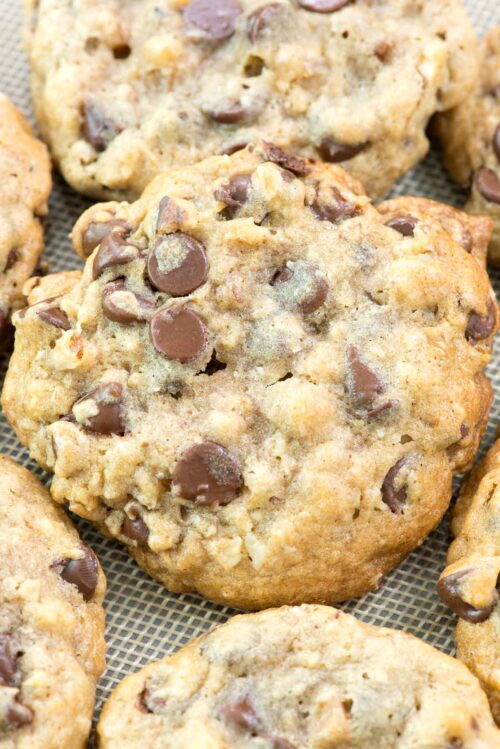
(95, 233)
(227, 114)
(208, 474)
(449, 592)
(394, 498)
(488, 185)
(178, 333)
(148, 703)
(107, 400)
(217, 18)
(364, 385)
(337, 209)
(170, 216)
(464, 431)
(141, 307)
(8, 658)
(286, 160)
(242, 714)
(496, 142)
(134, 526)
(233, 147)
(98, 129)
(235, 192)
(302, 287)
(82, 572)
(12, 259)
(479, 327)
(177, 264)
(323, 6)
(54, 316)
(259, 20)
(18, 715)
(405, 225)
(114, 250)
(5, 327)
(334, 152)
(214, 365)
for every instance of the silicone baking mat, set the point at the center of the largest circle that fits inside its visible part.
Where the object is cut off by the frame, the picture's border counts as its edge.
(145, 621)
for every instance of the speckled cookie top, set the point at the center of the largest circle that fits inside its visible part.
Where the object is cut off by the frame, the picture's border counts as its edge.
(51, 620)
(300, 678)
(255, 366)
(124, 90)
(24, 189)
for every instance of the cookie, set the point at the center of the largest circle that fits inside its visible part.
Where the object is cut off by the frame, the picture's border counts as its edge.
(261, 385)
(308, 676)
(470, 135)
(51, 620)
(25, 184)
(123, 91)
(471, 582)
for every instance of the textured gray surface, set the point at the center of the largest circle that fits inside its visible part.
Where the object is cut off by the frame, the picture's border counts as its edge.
(144, 621)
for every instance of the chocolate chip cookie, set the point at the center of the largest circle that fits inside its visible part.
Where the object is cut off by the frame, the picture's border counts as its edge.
(291, 678)
(24, 189)
(262, 385)
(51, 620)
(123, 91)
(470, 136)
(470, 584)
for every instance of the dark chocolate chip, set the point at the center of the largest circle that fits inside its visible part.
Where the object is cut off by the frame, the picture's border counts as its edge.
(405, 225)
(12, 259)
(394, 498)
(365, 385)
(113, 311)
(134, 526)
(496, 142)
(95, 233)
(177, 264)
(488, 185)
(208, 474)
(114, 250)
(479, 327)
(108, 402)
(286, 160)
(82, 572)
(8, 658)
(242, 714)
(178, 333)
(235, 192)
(227, 114)
(54, 316)
(170, 216)
(18, 715)
(334, 152)
(259, 20)
(449, 592)
(98, 128)
(337, 209)
(323, 6)
(217, 18)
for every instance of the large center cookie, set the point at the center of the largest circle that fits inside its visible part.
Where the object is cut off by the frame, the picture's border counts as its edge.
(261, 384)
(123, 90)
(300, 678)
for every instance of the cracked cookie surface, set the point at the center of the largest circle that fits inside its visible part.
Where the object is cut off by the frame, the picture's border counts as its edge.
(308, 677)
(51, 620)
(123, 90)
(261, 384)
(471, 582)
(25, 184)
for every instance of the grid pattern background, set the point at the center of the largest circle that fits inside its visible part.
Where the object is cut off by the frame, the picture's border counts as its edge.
(144, 620)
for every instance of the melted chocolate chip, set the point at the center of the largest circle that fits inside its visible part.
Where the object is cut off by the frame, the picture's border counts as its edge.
(54, 316)
(479, 327)
(449, 592)
(376, 412)
(337, 209)
(142, 307)
(235, 192)
(8, 658)
(488, 185)
(259, 20)
(170, 216)
(323, 6)
(308, 290)
(12, 259)
(95, 233)
(496, 142)
(82, 572)
(178, 333)
(242, 714)
(286, 160)
(405, 225)
(107, 401)
(114, 250)
(208, 474)
(134, 526)
(227, 114)
(18, 715)
(217, 18)
(177, 264)
(335, 153)
(98, 129)
(365, 385)
(394, 498)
